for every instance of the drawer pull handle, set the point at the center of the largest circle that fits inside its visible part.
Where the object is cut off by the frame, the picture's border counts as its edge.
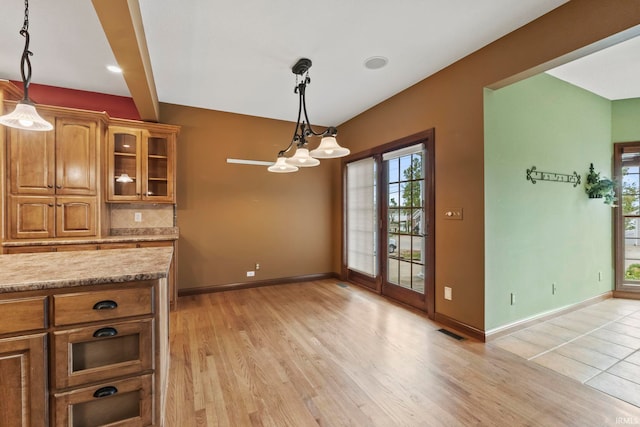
(105, 305)
(105, 332)
(105, 391)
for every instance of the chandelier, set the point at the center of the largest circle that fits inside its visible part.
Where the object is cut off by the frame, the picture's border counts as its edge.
(328, 148)
(25, 115)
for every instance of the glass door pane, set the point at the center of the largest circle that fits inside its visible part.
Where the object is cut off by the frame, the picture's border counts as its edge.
(630, 203)
(405, 213)
(157, 166)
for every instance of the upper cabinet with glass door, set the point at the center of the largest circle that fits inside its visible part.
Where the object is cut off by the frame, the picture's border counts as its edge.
(141, 162)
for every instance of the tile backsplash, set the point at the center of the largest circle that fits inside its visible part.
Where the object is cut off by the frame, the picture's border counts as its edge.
(150, 216)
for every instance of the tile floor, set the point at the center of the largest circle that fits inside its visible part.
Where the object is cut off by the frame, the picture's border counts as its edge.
(597, 345)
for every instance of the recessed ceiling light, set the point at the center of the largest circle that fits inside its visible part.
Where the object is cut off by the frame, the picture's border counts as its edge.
(114, 68)
(375, 62)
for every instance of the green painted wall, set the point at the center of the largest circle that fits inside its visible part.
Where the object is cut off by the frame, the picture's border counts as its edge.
(548, 232)
(626, 120)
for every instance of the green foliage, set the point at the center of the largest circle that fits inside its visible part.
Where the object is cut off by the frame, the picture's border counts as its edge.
(597, 187)
(411, 192)
(633, 272)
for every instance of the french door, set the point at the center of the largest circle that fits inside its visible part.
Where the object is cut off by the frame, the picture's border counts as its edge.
(627, 173)
(389, 220)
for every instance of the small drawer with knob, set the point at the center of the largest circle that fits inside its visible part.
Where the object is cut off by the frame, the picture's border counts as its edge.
(94, 306)
(96, 353)
(126, 402)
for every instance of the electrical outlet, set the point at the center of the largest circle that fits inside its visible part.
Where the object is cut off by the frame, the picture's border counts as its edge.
(257, 266)
(137, 217)
(448, 293)
(513, 298)
(251, 273)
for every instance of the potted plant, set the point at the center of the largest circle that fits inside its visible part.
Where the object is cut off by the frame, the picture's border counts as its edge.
(598, 188)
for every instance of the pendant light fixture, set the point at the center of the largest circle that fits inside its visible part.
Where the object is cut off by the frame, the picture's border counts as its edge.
(328, 148)
(25, 115)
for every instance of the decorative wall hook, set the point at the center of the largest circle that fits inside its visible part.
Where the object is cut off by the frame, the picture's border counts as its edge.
(534, 175)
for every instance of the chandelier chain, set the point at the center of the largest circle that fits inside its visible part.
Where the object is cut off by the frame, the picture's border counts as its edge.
(25, 62)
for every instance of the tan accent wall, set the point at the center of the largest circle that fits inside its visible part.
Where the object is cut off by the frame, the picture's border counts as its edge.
(451, 101)
(233, 216)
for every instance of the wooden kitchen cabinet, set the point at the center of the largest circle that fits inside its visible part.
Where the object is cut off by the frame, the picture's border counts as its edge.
(61, 161)
(23, 361)
(23, 376)
(52, 177)
(141, 162)
(33, 217)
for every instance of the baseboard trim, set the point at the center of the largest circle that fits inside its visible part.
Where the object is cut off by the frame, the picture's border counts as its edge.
(255, 284)
(510, 328)
(626, 294)
(468, 330)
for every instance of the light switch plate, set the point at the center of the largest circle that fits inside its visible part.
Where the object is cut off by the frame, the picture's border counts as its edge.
(453, 213)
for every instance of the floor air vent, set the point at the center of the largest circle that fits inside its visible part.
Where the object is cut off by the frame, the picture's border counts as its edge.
(451, 334)
(342, 285)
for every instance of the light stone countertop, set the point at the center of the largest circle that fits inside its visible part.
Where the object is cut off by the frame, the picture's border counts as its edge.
(122, 236)
(27, 272)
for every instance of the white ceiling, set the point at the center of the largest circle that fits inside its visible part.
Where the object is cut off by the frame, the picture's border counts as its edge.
(236, 56)
(613, 73)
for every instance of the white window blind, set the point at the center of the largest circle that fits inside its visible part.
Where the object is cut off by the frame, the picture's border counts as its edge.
(418, 148)
(361, 217)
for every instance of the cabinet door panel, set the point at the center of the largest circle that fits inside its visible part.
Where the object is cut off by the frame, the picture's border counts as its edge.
(100, 352)
(76, 156)
(158, 159)
(22, 379)
(118, 403)
(124, 158)
(32, 161)
(32, 217)
(76, 216)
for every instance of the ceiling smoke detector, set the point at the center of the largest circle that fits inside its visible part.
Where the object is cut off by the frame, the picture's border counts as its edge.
(375, 62)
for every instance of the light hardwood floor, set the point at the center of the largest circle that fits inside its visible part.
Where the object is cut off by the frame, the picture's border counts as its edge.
(321, 354)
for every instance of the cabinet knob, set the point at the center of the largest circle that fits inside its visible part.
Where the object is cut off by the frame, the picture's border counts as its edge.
(105, 305)
(58, 186)
(58, 204)
(49, 186)
(105, 391)
(50, 205)
(105, 332)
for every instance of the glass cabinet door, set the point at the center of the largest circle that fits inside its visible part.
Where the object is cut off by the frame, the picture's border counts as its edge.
(158, 167)
(124, 170)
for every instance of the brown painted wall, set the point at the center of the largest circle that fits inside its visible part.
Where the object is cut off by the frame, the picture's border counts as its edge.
(234, 216)
(452, 102)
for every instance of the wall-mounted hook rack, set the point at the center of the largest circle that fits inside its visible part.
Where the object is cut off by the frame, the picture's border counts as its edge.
(534, 175)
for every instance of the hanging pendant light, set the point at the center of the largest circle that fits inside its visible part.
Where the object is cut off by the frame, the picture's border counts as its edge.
(281, 166)
(328, 148)
(25, 115)
(302, 159)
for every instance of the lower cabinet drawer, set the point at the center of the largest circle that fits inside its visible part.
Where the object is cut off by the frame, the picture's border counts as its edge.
(22, 314)
(100, 352)
(95, 306)
(119, 403)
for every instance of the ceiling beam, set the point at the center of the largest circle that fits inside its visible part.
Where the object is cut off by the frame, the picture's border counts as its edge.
(121, 21)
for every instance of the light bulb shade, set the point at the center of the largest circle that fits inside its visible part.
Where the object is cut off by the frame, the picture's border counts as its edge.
(302, 159)
(124, 178)
(25, 117)
(329, 149)
(281, 166)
